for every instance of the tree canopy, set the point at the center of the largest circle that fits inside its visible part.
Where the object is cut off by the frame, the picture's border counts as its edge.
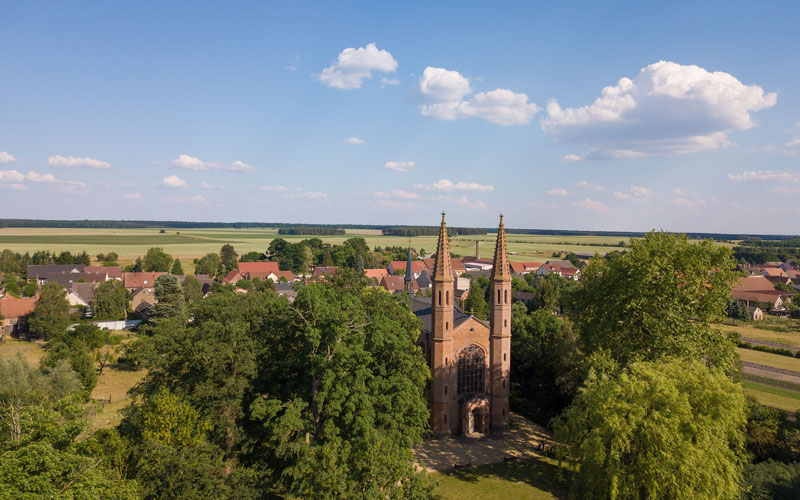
(666, 429)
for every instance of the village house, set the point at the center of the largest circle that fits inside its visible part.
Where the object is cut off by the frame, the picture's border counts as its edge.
(758, 291)
(375, 275)
(134, 281)
(14, 311)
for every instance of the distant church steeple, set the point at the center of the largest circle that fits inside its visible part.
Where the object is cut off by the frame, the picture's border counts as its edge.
(408, 281)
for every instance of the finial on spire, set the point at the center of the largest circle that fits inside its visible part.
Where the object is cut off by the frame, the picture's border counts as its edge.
(443, 216)
(501, 218)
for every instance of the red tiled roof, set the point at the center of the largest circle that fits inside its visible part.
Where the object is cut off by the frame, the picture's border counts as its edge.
(140, 280)
(753, 283)
(395, 283)
(232, 277)
(258, 267)
(111, 271)
(759, 295)
(417, 266)
(320, 270)
(774, 271)
(376, 273)
(12, 308)
(287, 275)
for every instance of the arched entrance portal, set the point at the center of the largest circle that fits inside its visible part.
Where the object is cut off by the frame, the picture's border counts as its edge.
(475, 421)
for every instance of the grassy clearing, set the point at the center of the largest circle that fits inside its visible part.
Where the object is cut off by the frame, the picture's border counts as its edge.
(31, 351)
(752, 332)
(112, 383)
(535, 479)
(776, 397)
(768, 359)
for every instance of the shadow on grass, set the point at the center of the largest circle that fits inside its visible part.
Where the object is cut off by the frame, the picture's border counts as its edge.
(539, 473)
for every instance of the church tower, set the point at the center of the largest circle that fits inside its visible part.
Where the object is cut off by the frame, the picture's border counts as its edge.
(500, 321)
(442, 362)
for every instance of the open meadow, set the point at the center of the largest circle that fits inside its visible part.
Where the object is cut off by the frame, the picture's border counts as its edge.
(188, 244)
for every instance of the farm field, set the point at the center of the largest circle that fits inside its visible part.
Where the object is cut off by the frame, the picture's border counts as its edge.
(535, 479)
(776, 397)
(769, 359)
(752, 332)
(188, 244)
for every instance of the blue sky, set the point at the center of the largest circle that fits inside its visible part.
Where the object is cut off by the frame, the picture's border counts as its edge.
(614, 116)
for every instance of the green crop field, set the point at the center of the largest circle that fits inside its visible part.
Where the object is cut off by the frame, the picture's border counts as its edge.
(753, 332)
(769, 359)
(191, 243)
(776, 397)
(535, 479)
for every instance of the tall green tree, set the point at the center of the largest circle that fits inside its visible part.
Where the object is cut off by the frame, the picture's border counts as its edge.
(545, 363)
(666, 429)
(208, 264)
(50, 316)
(177, 268)
(228, 257)
(169, 301)
(192, 290)
(156, 260)
(663, 297)
(111, 300)
(475, 303)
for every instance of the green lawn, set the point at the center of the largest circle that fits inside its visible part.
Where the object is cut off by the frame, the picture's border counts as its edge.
(534, 479)
(768, 359)
(776, 397)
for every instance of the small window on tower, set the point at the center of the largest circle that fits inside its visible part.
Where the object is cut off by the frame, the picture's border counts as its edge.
(498, 296)
(445, 389)
(505, 322)
(504, 356)
(504, 413)
(505, 295)
(445, 419)
(447, 297)
(446, 325)
(440, 297)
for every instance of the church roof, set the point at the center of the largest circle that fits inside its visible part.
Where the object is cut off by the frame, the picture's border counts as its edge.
(421, 307)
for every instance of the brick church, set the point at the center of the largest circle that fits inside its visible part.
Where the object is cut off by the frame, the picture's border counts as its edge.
(469, 358)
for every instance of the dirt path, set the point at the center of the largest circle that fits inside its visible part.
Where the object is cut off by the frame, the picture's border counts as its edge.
(519, 441)
(771, 372)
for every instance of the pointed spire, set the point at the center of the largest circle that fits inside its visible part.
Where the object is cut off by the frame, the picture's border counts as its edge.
(409, 272)
(500, 269)
(443, 267)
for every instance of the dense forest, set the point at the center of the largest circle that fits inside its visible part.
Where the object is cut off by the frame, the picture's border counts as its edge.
(760, 251)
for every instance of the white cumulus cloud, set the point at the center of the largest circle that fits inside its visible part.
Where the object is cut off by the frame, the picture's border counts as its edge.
(557, 192)
(187, 162)
(274, 188)
(668, 108)
(354, 140)
(634, 193)
(766, 175)
(588, 185)
(6, 158)
(399, 166)
(593, 206)
(307, 195)
(74, 161)
(448, 185)
(13, 179)
(353, 66)
(173, 181)
(446, 92)
(132, 196)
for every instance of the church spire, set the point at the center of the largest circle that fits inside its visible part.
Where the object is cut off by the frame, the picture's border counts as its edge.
(408, 281)
(443, 267)
(500, 269)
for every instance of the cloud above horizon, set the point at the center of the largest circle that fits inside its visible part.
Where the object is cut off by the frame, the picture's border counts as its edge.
(353, 66)
(399, 166)
(172, 181)
(446, 92)
(74, 161)
(187, 162)
(15, 180)
(6, 158)
(668, 108)
(448, 185)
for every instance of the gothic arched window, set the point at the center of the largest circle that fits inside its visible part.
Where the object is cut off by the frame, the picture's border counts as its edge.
(471, 367)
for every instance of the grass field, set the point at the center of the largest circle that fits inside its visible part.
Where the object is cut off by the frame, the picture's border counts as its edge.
(776, 397)
(187, 244)
(534, 479)
(112, 383)
(768, 359)
(752, 332)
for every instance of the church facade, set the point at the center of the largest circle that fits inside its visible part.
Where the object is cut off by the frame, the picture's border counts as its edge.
(469, 358)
